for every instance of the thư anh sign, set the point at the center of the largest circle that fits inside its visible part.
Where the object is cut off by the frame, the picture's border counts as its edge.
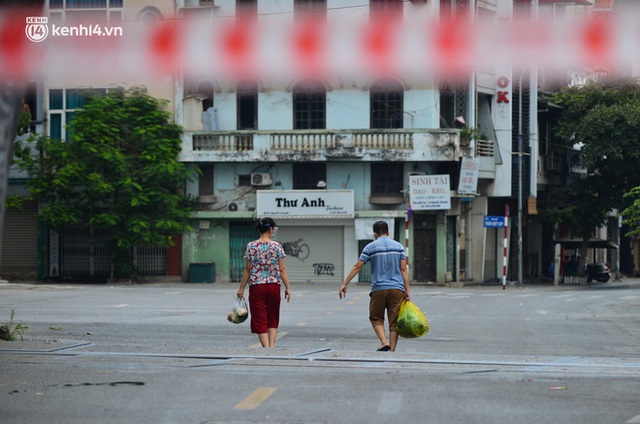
(305, 203)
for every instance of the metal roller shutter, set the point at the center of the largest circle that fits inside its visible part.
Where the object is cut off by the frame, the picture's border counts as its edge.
(20, 242)
(314, 254)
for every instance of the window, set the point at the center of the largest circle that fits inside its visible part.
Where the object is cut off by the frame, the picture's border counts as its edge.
(310, 9)
(386, 103)
(149, 14)
(307, 175)
(247, 9)
(244, 180)
(205, 88)
(247, 105)
(86, 10)
(63, 103)
(205, 183)
(309, 105)
(387, 179)
(384, 9)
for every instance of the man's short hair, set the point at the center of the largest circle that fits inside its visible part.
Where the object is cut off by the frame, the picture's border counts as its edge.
(381, 228)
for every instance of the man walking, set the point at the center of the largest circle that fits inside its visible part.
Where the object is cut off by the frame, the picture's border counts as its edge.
(389, 282)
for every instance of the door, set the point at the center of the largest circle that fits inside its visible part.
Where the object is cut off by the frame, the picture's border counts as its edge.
(425, 249)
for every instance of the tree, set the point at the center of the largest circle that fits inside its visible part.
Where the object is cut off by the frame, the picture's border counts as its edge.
(632, 213)
(119, 170)
(599, 129)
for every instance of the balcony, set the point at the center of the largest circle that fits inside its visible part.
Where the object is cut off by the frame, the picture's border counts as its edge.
(486, 153)
(321, 145)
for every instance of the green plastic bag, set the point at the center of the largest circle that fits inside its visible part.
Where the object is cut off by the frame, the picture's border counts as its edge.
(411, 321)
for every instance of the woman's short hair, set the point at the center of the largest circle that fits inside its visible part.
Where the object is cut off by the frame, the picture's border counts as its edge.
(265, 224)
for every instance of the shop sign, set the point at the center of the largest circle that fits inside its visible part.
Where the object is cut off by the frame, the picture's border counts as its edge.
(469, 169)
(305, 203)
(429, 192)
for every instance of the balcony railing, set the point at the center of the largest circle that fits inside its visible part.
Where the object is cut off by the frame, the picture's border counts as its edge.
(485, 148)
(226, 141)
(408, 144)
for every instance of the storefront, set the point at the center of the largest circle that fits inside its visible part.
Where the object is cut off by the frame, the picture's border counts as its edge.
(315, 228)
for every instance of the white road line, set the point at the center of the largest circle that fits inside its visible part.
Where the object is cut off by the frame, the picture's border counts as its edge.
(390, 403)
(634, 420)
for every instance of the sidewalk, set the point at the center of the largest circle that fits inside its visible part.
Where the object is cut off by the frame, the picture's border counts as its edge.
(622, 283)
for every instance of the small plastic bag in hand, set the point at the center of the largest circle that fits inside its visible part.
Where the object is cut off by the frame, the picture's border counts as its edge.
(411, 321)
(240, 311)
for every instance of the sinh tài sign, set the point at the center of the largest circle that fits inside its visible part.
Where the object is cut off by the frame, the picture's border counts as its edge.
(429, 192)
(305, 203)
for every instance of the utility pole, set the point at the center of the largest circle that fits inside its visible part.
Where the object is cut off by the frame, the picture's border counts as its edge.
(522, 74)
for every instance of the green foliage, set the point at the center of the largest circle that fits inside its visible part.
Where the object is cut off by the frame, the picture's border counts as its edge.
(119, 170)
(603, 119)
(15, 202)
(12, 330)
(632, 213)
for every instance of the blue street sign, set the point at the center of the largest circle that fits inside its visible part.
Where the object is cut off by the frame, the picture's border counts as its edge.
(494, 221)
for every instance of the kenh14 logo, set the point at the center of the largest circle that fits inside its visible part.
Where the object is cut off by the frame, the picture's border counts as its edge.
(37, 28)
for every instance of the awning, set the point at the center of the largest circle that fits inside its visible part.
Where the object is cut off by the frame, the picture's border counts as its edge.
(594, 243)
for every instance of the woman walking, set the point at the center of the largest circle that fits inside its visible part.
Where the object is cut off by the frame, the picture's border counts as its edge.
(264, 270)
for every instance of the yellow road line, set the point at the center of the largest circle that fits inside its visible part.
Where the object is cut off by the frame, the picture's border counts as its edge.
(256, 398)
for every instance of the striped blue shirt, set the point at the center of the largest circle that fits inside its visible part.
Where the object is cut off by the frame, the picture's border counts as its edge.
(384, 254)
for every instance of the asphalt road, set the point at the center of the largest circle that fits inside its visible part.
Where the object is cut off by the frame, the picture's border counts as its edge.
(165, 353)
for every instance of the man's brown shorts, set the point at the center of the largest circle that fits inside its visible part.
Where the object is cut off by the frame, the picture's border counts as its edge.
(385, 299)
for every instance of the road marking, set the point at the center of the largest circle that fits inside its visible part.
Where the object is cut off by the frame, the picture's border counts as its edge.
(340, 308)
(173, 292)
(628, 298)
(256, 398)
(122, 305)
(390, 403)
(301, 324)
(634, 420)
(350, 303)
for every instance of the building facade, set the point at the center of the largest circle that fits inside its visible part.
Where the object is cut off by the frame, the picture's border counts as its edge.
(327, 154)
(270, 145)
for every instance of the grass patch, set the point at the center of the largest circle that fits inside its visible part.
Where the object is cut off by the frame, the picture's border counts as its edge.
(13, 330)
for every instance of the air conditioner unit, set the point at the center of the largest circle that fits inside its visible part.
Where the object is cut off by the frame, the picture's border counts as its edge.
(237, 206)
(260, 179)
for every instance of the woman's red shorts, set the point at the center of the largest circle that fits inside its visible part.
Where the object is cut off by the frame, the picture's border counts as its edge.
(264, 304)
